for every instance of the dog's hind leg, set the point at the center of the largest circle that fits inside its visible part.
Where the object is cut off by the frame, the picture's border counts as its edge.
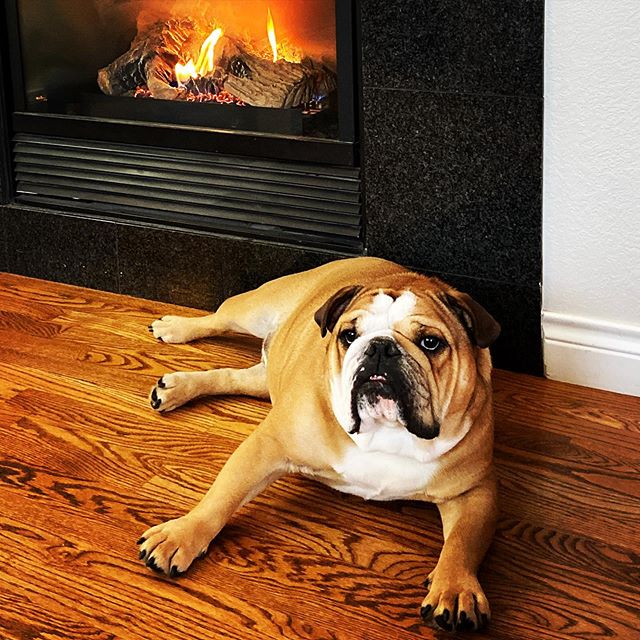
(174, 389)
(255, 313)
(258, 312)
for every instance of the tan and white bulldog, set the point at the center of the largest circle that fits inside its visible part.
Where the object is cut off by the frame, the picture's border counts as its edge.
(380, 385)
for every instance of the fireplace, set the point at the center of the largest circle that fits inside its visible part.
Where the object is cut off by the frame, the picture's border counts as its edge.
(237, 116)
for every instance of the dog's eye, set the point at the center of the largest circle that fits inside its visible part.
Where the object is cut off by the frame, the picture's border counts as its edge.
(431, 344)
(348, 336)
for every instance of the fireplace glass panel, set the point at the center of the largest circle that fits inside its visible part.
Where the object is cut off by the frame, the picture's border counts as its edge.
(268, 66)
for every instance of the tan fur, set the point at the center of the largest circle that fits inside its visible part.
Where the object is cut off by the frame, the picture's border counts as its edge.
(301, 431)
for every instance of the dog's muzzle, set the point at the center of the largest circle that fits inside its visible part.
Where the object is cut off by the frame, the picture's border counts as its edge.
(376, 381)
(382, 384)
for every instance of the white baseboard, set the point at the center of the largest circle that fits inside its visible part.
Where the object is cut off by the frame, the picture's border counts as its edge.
(592, 353)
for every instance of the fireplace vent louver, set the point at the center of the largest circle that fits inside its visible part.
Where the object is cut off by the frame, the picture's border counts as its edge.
(291, 202)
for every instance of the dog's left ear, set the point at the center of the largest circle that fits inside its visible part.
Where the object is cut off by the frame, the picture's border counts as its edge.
(480, 325)
(327, 315)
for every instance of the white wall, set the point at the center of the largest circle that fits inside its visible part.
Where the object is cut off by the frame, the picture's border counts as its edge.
(591, 201)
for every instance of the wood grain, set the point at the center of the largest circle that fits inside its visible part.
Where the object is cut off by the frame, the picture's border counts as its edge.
(85, 466)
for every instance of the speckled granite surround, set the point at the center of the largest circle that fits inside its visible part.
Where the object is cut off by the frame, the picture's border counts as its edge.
(452, 103)
(453, 182)
(458, 46)
(195, 270)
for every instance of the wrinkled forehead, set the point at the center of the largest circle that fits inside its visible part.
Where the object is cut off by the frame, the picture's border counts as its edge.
(385, 310)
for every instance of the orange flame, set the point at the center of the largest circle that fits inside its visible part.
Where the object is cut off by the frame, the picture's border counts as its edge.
(204, 65)
(185, 71)
(271, 32)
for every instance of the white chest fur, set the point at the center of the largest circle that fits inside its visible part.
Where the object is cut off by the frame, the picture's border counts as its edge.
(388, 464)
(375, 475)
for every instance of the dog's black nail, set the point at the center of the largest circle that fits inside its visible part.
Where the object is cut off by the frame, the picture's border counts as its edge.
(161, 383)
(174, 573)
(151, 563)
(446, 615)
(156, 403)
(427, 583)
(425, 611)
(464, 623)
(141, 540)
(142, 555)
(154, 394)
(442, 622)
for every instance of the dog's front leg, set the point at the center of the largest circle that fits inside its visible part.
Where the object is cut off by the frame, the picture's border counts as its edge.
(172, 546)
(456, 599)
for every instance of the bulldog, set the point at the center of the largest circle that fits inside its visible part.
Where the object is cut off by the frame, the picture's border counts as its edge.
(380, 381)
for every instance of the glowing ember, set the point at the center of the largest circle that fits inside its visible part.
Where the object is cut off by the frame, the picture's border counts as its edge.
(204, 65)
(271, 32)
(222, 97)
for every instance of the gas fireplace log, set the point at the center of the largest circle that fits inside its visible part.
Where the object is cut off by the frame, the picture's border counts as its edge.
(264, 83)
(152, 56)
(151, 59)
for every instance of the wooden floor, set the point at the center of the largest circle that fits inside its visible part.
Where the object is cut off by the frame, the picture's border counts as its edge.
(86, 466)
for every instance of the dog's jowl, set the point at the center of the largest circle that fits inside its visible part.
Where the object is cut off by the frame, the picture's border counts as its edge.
(380, 381)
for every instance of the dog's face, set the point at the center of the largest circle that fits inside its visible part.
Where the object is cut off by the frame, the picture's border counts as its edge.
(405, 356)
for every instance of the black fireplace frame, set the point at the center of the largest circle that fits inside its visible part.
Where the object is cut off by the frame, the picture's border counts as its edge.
(302, 191)
(342, 152)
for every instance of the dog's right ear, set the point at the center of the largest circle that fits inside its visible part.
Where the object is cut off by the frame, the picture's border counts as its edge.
(327, 315)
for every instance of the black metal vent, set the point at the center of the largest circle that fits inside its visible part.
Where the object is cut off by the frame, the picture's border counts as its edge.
(291, 202)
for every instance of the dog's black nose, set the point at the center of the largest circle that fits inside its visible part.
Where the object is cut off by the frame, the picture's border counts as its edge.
(382, 348)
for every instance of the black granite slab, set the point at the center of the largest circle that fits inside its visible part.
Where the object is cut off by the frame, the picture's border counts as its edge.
(202, 270)
(61, 248)
(484, 46)
(453, 182)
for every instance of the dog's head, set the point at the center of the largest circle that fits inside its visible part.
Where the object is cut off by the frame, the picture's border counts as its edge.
(405, 354)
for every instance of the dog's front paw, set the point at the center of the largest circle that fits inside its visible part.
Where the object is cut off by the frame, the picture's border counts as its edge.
(172, 546)
(175, 329)
(173, 390)
(455, 604)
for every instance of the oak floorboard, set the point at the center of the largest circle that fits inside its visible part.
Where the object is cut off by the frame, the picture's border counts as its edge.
(85, 466)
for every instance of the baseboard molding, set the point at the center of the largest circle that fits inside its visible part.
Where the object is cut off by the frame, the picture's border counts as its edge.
(592, 353)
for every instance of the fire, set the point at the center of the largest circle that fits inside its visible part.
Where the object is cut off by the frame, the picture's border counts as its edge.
(271, 32)
(205, 59)
(185, 71)
(204, 65)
